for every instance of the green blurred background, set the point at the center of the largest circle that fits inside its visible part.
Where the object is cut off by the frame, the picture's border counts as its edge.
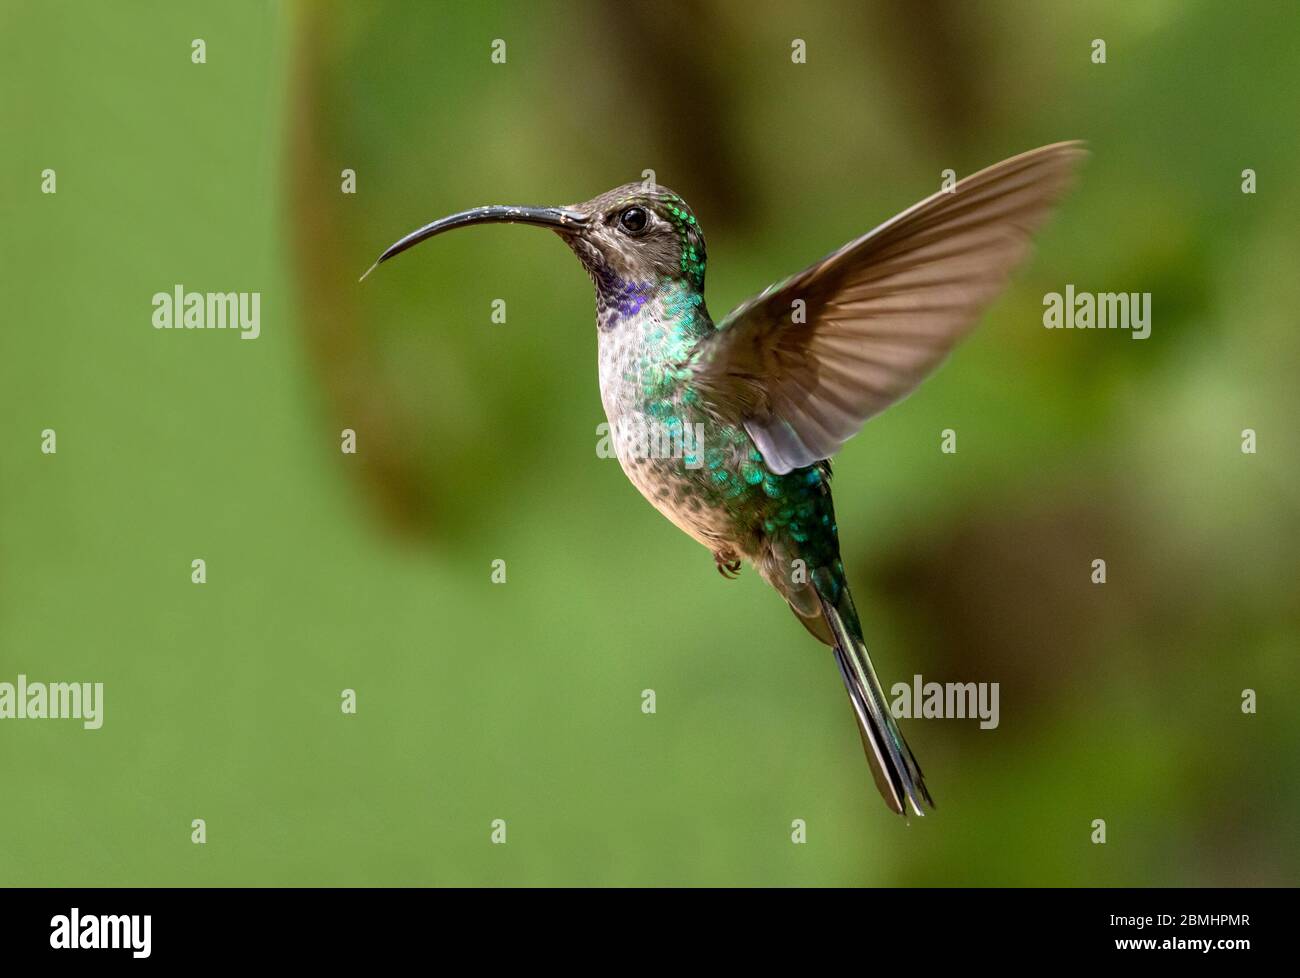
(477, 441)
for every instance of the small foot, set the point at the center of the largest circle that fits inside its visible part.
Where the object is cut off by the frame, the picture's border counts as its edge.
(728, 564)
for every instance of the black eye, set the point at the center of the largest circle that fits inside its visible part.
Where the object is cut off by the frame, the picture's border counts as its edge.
(633, 219)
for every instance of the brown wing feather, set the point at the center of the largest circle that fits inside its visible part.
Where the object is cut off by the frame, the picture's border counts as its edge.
(881, 312)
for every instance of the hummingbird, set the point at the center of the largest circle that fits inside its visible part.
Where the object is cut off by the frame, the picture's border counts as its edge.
(771, 391)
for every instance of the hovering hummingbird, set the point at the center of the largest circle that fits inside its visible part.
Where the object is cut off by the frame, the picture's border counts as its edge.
(777, 386)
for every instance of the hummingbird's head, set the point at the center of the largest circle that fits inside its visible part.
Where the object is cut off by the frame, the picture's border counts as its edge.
(639, 233)
(633, 235)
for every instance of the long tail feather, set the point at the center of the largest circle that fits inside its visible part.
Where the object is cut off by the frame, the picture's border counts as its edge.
(897, 775)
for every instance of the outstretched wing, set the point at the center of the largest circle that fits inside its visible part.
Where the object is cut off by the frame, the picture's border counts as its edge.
(880, 313)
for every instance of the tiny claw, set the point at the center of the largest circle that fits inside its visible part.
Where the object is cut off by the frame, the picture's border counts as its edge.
(728, 566)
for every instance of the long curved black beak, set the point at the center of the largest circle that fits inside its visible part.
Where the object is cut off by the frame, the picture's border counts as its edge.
(556, 218)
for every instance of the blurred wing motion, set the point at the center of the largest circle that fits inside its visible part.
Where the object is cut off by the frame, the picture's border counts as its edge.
(881, 312)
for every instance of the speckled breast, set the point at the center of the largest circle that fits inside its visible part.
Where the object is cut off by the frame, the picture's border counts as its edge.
(700, 470)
